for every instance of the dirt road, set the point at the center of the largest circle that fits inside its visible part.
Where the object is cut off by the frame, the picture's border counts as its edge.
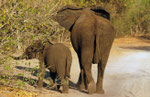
(128, 70)
(127, 73)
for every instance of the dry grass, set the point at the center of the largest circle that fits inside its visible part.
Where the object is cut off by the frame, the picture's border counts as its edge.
(13, 92)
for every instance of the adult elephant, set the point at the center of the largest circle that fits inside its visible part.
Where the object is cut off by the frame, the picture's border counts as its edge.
(92, 36)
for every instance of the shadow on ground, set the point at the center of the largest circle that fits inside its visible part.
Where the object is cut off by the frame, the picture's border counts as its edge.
(145, 48)
(34, 72)
(144, 37)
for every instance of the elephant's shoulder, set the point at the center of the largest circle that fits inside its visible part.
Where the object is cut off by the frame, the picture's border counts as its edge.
(59, 45)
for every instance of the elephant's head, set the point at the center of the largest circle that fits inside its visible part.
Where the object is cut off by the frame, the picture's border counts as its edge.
(68, 15)
(35, 50)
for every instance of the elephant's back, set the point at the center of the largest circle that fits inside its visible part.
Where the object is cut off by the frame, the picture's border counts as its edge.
(105, 30)
(85, 22)
(55, 56)
(57, 53)
(104, 24)
(83, 29)
(106, 34)
(58, 50)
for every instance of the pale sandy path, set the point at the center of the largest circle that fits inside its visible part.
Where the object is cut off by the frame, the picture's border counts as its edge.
(127, 73)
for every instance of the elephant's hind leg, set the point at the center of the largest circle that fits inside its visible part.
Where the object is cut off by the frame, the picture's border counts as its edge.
(52, 80)
(64, 80)
(65, 84)
(99, 88)
(81, 84)
(86, 62)
(101, 68)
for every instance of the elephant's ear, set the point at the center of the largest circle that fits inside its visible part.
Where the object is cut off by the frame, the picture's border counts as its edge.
(71, 7)
(101, 12)
(67, 16)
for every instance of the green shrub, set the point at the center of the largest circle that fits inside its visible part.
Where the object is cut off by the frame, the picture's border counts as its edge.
(22, 21)
(135, 20)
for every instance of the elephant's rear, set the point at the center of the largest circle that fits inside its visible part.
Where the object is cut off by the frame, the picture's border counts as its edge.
(103, 40)
(59, 59)
(65, 59)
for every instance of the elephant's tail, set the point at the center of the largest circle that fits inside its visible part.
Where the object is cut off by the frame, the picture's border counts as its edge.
(68, 65)
(96, 55)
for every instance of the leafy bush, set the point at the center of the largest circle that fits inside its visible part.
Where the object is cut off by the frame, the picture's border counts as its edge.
(22, 21)
(135, 20)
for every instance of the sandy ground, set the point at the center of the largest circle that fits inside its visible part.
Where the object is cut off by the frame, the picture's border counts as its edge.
(127, 73)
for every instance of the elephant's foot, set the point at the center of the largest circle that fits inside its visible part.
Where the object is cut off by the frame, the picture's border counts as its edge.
(39, 86)
(39, 89)
(99, 88)
(91, 87)
(100, 91)
(65, 91)
(81, 87)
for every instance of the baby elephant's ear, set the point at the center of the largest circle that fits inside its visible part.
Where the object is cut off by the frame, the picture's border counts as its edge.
(101, 12)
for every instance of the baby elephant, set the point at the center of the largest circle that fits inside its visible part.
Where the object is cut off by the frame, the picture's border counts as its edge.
(56, 57)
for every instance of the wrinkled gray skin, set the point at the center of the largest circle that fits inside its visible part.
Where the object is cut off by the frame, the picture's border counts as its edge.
(56, 57)
(92, 36)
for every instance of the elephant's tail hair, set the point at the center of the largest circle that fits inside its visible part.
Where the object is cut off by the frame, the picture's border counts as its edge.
(68, 66)
(96, 55)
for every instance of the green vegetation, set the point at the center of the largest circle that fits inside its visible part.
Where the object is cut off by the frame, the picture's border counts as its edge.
(135, 19)
(22, 21)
